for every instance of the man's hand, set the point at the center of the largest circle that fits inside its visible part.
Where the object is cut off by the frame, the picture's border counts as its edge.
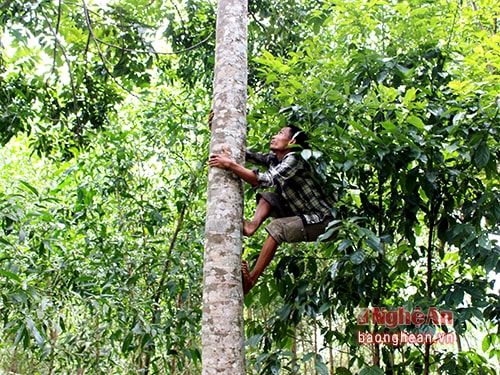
(222, 160)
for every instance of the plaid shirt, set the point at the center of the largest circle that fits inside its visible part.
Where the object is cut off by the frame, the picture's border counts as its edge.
(295, 182)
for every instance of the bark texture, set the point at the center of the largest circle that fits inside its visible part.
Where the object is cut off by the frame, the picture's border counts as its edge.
(223, 338)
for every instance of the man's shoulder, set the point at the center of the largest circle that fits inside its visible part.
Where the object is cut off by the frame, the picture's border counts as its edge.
(293, 158)
(292, 155)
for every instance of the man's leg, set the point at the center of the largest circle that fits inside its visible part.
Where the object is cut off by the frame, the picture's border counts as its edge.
(265, 257)
(261, 213)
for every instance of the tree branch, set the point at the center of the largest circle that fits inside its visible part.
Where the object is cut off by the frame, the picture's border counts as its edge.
(68, 63)
(155, 52)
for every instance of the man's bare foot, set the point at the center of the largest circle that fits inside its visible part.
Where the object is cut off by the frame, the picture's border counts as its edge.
(248, 283)
(249, 228)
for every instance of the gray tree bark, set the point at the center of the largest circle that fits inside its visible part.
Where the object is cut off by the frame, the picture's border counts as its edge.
(223, 337)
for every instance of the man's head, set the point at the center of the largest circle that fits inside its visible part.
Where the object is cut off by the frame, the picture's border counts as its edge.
(288, 138)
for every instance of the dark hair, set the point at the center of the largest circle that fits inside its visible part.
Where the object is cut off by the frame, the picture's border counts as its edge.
(299, 135)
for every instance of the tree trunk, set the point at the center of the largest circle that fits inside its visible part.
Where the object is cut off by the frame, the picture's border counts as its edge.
(223, 338)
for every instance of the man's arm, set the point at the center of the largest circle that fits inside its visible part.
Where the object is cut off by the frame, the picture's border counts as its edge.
(224, 161)
(286, 169)
(259, 158)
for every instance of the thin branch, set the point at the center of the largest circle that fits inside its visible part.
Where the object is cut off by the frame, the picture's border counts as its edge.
(257, 21)
(123, 31)
(105, 62)
(155, 52)
(99, 51)
(125, 49)
(166, 266)
(68, 63)
(94, 38)
(180, 16)
(59, 6)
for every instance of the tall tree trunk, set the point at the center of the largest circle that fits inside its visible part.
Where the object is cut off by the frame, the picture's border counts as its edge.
(223, 349)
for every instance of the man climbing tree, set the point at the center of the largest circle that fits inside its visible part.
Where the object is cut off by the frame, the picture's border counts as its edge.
(303, 212)
(223, 349)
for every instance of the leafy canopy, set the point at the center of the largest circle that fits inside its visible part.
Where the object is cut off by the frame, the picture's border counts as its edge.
(103, 128)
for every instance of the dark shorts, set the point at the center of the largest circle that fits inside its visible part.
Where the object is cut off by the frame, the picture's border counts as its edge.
(288, 228)
(279, 208)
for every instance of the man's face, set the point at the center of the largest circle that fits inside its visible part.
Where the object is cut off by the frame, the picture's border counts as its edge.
(281, 141)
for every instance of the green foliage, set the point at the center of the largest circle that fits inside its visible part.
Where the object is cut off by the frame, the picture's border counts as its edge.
(68, 68)
(103, 111)
(412, 152)
(94, 266)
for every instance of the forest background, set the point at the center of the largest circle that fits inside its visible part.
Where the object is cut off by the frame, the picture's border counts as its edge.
(104, 135)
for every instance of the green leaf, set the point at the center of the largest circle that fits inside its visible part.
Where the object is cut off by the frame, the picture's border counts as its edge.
(20, 334)
(320, 367)
(485, 345)
(5, 242)
(372, 371)
(264, 296)
(390, 126)
(345, 244)
(416, 122)
(491, 262)
(254, 340)
(482, 155)
(358, 257)
(10, 275)
(410, 95)
(374, 242)
(328, 235)
(40, 340)
(306, 154)
(30, 188)
(285, 311)
(126, 342)
(342, 371)
(308, 356)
